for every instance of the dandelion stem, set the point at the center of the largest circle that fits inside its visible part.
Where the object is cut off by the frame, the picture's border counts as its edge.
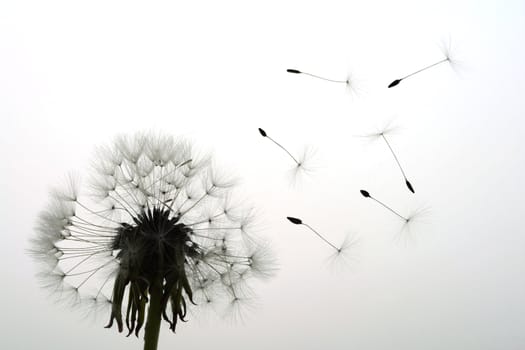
(151, 336)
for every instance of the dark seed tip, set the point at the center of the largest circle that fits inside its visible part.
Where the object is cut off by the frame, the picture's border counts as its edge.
(295, 71)
(394, 83)
(409, 185)
(262, 132)
(365, 193)
(295, 221)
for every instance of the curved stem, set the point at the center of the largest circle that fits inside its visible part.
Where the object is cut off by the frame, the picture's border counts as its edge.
(278, 144)
(395, 157)
(151, 336)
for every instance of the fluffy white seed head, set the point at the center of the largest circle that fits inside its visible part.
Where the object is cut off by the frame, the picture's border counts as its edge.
(91, 238)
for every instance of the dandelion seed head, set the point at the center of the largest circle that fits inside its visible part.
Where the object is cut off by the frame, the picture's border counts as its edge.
(388, 128)
(354, 85)
(239, 306)
(154, 214)
(262, 262)
(413, 226)
(346, 253)
(304, 166)
(451, 54)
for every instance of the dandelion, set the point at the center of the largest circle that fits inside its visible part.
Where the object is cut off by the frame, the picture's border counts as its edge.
(300, 162)
(155, 235)
(446, 50)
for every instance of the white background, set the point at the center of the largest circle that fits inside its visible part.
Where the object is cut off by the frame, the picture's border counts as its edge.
(73, 75)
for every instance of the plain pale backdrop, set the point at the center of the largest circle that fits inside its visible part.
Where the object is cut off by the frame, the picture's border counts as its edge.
(74, 74)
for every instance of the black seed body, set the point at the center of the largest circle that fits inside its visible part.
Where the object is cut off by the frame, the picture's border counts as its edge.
(262, 132)
(294, 71)
(394, 83)
(409, 185)
(365, 193)
(294, 220)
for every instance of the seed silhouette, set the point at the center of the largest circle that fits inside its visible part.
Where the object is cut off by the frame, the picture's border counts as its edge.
(397, 81)
(264, 134)
(365, 193)
(295, 220)
(368, 195)
(298, 221)
(407, 183)
(295, 71)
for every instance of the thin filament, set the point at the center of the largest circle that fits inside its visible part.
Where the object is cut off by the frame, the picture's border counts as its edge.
(392, 210)
(320, 236)
(425, 68)
(278, 144)
(326, 79)
(395, 157)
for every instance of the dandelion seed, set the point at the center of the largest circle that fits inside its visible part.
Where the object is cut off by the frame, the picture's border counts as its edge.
(155, 236)
(264, 134)
(407, 183)
(300, 162)
(349, 81)
(382, 134)
(295, 71)
(448, 58)
(366, 194)
(297, 221)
